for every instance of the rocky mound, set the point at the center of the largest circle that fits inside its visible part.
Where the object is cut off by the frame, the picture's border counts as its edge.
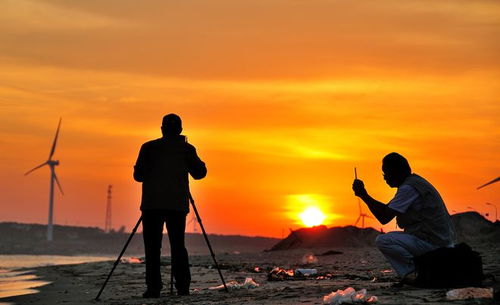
(321, 236)
(471, 228)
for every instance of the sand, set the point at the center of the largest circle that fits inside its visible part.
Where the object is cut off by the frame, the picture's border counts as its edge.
(355, 267)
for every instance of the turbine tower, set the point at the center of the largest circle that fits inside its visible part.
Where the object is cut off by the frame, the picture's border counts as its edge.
(193, 221)
(52, 164)
(361, 216)
(107, 224)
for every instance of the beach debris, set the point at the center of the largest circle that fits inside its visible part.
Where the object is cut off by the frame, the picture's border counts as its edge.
(324, 276)
(330, 252)
(132, 260)
(248, 284)
(282, 274)
(349, 296)
(305, 272)
(469, 293)
(309, 258)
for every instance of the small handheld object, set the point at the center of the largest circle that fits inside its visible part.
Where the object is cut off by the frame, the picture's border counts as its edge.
(355, 173)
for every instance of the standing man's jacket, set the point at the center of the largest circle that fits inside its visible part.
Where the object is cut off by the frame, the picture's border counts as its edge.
(162, 167)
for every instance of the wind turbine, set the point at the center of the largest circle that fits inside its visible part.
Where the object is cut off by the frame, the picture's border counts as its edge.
(361, 216)
(52, 164)
(488, 183)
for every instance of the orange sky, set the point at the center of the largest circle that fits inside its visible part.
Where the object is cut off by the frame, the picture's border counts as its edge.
(281, 98)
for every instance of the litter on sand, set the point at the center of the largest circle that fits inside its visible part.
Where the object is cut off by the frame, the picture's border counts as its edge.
(132, 260)
(469, 293)
(282, 274)
(330, 252)
(349, 296)
(305, 272)
(248, 284)
(309, 258)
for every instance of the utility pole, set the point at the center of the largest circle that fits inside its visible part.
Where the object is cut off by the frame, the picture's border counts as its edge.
(107, 224)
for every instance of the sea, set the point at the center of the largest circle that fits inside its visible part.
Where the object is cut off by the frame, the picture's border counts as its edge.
(16, 277)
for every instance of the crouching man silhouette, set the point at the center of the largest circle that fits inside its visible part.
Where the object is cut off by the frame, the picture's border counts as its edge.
(419, 211)
(163, 166)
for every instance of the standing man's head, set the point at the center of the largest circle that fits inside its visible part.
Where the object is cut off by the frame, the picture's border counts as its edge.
(396, 169)
(171, 125)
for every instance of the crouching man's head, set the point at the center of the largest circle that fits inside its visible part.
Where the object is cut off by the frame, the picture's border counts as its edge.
(396, 169)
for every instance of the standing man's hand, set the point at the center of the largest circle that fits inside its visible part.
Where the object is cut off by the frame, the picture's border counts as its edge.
(359, 188)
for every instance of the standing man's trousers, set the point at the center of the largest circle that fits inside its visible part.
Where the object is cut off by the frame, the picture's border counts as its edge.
(152, 224)
(400, 248)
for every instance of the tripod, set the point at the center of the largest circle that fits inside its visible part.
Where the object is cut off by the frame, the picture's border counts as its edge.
(119, 257)
(171, 274)
(206, 239)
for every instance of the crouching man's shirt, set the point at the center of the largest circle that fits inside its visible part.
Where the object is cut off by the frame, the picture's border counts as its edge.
(422, 212)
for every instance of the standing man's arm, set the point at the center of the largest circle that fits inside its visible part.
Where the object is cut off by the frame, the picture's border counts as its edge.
(381, 211)
(196, 167)
(140, 165)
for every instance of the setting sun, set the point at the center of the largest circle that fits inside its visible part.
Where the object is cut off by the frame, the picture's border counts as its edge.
(312, 216)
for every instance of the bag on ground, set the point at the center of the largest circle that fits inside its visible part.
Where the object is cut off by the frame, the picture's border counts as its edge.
(449, 268)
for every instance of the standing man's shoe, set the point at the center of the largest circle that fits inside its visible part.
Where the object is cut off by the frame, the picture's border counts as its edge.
(151, 294)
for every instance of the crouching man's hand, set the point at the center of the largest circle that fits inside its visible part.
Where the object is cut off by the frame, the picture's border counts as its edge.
(359, 188)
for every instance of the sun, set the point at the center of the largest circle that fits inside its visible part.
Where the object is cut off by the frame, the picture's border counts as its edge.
(312, 216)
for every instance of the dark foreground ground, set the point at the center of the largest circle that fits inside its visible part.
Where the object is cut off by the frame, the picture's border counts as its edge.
(355, 267)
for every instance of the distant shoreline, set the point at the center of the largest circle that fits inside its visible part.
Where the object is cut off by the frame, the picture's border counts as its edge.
(20, 238)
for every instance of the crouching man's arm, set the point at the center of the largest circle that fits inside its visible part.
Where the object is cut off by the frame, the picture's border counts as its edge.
(381, 211)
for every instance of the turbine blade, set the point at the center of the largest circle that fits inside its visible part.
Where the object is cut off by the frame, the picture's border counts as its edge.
(357, 220)
(58, 184)
(55, 140)
(491, 182)
(44, 163)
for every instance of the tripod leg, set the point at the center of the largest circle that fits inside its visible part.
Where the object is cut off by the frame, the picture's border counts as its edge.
(119, 257)
(171, 278)
(208, 242)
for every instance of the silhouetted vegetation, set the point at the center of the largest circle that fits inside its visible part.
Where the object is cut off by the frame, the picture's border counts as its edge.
(20, 238)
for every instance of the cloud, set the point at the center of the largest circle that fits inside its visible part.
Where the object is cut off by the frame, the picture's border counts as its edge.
(24, 16)
(245, 40)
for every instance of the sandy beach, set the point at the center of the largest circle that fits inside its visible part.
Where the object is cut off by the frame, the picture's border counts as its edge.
(354, 267)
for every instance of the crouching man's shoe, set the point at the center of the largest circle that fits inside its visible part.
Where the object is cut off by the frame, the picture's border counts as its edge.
(151, 294)
(410, 279)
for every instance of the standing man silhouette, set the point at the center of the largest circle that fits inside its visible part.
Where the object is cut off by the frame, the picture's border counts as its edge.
(163, 166)
(419, 210)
